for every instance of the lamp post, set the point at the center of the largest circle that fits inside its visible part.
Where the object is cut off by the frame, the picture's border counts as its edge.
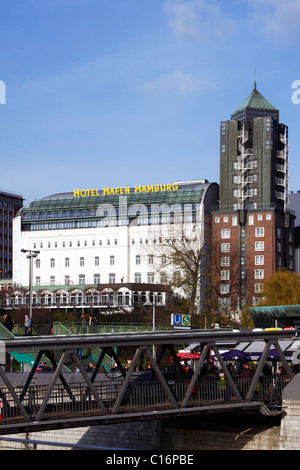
(153, 304)
(30, 255)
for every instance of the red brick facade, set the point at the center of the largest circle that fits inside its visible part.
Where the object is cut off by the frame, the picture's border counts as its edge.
(246, 254)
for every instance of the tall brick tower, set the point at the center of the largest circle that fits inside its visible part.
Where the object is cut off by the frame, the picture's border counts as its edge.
(253, 228)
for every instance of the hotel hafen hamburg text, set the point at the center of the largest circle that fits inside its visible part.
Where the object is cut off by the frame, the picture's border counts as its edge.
(94, 245)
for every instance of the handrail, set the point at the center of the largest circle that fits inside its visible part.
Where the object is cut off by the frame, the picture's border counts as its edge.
(107, 360)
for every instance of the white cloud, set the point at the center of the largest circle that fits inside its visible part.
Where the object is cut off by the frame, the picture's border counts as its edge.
(179, 81)
(197, 19)
(276, 20)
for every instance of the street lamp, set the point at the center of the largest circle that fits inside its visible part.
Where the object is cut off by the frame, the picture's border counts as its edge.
(30, 255)
(154, 304)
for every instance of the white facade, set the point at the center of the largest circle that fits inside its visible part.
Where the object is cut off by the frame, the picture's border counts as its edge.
(112, 251)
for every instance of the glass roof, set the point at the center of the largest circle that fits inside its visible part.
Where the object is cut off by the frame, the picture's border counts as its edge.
(65, 205)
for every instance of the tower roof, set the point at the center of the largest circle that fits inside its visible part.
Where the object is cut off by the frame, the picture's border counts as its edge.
(255, 100)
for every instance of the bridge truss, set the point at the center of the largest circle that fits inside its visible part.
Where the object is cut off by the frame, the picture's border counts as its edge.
(61, 400)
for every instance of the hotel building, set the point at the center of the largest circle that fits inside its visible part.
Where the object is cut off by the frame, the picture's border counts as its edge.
(106, 248)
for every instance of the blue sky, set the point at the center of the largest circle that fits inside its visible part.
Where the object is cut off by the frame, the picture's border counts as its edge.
(124, 92)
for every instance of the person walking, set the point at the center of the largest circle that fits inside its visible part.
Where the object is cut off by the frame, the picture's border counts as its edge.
(51, 325)
(29, 329)
(26, 324)
(246, 372)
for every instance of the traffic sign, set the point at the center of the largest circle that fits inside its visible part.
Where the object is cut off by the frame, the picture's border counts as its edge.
(179, 320)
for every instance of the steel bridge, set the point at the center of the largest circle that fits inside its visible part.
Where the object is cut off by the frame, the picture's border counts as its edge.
(35, 401)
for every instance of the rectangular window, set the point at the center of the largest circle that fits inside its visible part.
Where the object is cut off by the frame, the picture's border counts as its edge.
(258, 287)
(150, 277)
(224, 289)
(52, 280)
(259, 231)
(225, 233)
(97, 278)
(138, 260)
(224, 275)
(112, 260)
(225, 247)
(67, 262)
(225, 261)
(111, 278)
(52, 263)
(81, 279)
(81, 262)
(97, 261)
(137, 277)
(259, 246)
(259, 274)
(259, 260)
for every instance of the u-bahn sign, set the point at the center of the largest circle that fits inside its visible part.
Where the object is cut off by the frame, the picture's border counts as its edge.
(181, 320)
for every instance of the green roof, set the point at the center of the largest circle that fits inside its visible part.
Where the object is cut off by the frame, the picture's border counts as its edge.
(66, 206)
(255, 100)
(263, 317)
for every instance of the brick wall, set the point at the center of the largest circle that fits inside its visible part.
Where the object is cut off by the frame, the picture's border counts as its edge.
(143, 435)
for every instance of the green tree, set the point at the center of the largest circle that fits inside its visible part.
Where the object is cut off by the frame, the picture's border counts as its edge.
(283, 288)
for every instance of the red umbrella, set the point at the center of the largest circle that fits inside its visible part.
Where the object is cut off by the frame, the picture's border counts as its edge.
(186, 356)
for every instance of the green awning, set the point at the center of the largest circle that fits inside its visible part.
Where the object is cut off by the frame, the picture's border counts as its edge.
(264, 317)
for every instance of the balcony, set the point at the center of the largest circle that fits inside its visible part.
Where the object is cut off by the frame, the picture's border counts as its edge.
(281, 168)
(282, 154)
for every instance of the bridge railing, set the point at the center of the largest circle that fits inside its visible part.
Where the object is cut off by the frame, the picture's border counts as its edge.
(35, 401)
(76, 399)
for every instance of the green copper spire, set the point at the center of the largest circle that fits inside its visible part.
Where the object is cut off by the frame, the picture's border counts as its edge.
(255, 100)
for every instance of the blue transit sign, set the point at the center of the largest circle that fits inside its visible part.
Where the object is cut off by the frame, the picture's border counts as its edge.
(181, 320)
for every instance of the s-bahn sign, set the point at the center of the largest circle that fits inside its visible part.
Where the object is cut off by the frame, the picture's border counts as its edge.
(181, 320)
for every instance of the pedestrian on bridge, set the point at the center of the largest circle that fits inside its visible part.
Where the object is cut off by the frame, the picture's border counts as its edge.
(246, 372)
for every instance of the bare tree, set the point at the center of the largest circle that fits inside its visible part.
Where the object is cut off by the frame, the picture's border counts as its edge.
(182, 253)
